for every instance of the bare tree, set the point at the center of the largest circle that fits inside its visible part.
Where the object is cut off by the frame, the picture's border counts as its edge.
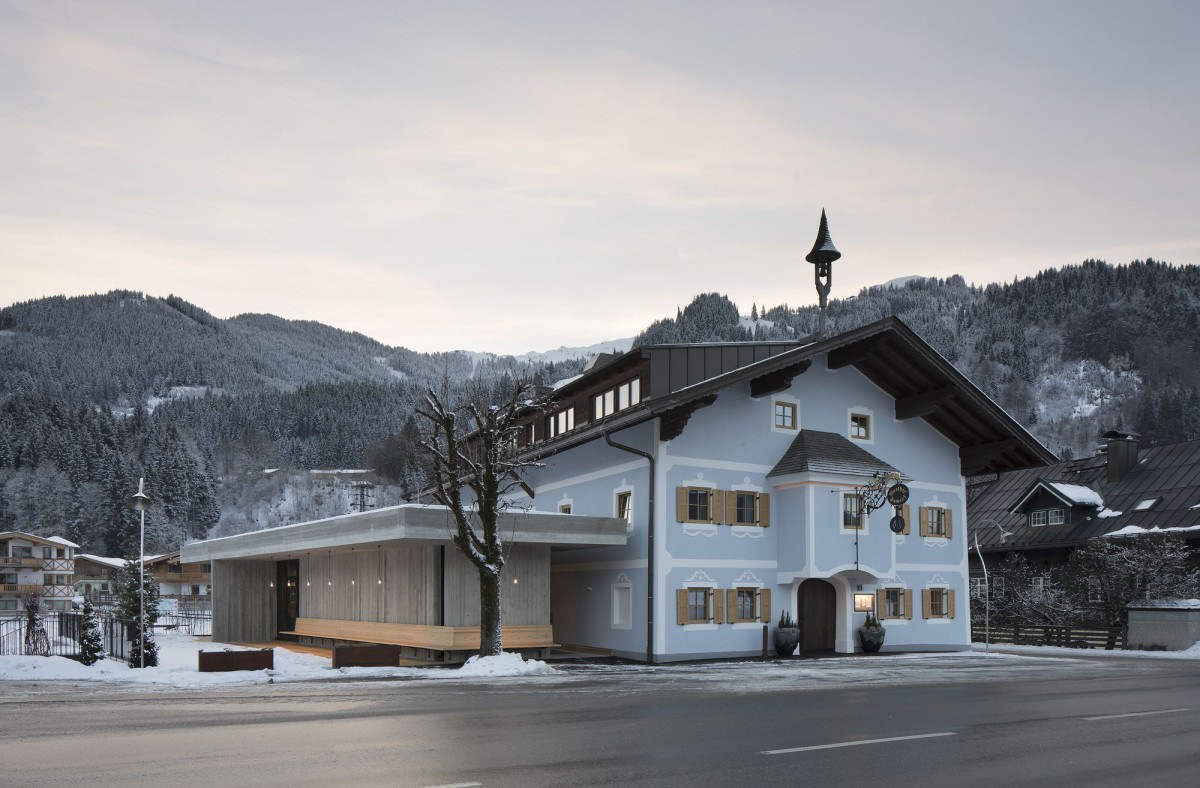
(37, 642)
(473, 445)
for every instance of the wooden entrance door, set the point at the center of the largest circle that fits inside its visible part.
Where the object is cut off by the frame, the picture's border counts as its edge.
(818, 615)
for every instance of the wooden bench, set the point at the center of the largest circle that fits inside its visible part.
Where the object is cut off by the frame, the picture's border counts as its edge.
(422, 636)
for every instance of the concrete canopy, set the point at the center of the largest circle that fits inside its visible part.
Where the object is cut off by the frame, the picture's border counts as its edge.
(406, 524)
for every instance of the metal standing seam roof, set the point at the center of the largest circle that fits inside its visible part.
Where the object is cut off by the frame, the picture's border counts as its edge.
(828, 452)
(1170, 474)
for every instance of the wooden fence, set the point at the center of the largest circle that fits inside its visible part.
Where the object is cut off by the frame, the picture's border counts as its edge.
(1108, 638)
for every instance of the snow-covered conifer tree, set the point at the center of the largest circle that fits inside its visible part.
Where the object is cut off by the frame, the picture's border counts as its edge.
(91, 644)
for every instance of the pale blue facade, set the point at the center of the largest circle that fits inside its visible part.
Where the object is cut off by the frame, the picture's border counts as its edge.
(599, 595)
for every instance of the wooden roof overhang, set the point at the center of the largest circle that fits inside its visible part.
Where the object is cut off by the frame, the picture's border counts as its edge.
(925, 385)
(890, 355)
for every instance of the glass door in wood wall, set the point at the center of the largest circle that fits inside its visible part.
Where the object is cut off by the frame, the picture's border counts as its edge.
(287, 594)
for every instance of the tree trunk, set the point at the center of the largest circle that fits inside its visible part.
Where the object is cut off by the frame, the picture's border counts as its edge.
(489, 614)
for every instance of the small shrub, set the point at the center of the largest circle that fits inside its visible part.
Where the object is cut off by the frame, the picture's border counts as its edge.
(786, 621)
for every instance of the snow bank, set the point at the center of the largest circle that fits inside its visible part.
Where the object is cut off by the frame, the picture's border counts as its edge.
(506, 664)
(1192, 652)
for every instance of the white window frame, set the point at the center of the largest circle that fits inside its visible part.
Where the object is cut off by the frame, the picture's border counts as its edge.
(1055, 516)
(872, 425)
(788, 402)
(1038, 518)
(863, 518)
(624, 489)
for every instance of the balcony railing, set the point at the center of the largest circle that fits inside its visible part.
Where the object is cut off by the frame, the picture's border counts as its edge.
(13, 561)
(9, 588)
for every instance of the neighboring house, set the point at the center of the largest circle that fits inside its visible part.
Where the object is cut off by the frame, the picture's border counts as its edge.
(35, 564)
(389, 575)
(179, 580)
(1123, 491)
(737, 469)
(93, 575)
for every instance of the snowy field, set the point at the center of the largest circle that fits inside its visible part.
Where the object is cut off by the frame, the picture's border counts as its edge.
(178, 669)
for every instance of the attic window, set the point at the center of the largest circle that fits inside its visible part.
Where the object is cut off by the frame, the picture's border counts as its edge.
(1146, 504)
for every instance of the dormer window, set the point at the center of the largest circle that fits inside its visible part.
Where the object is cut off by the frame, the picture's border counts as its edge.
(1146, 504)
(623, 396)
(563, 421)
(1042, 517)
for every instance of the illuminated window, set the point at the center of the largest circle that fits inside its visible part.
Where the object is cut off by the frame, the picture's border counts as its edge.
(864, 603)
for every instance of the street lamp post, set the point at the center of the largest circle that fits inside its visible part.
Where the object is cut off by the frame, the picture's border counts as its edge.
(139, 502)
(987, 586)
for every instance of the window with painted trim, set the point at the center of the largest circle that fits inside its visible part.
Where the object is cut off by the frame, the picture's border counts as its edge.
(785, 415)
(699, 505)
(860, 426)
(976, 587)
(1037, 587)
(937, 602)
(746, 605)
(564, 508)
(698, 605)
(893, 603)
(623, 508)
(936, 522)
(1056, 517)
(853, 516)
(747, 507)
(1038, 518)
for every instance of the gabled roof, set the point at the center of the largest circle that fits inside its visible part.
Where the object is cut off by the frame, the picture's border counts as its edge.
(1070, 495)
(35, 538)
(887, 352)
(114, 563)
(828, 452)
(1170, 473)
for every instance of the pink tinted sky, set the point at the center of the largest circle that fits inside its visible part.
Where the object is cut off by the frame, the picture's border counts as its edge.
(518, 176)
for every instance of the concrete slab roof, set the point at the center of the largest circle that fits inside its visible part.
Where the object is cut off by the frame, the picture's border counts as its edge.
(407, 524)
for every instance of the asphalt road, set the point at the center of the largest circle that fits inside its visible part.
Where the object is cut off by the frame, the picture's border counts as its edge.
(1055, 723)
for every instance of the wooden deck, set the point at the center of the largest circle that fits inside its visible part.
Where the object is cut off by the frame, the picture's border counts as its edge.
(327, 652)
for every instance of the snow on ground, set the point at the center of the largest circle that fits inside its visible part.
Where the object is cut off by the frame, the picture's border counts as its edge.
(178, 669)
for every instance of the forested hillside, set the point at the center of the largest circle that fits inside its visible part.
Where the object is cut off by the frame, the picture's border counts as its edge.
(226, 418)
(1070, 353)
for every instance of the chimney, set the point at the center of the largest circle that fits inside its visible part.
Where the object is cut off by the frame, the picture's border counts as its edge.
(1121, 454)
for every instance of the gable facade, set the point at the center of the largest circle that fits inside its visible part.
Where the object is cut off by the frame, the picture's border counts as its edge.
(730, 523)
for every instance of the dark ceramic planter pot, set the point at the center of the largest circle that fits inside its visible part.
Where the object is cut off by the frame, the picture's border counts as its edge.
(871, 639)
(786, 641)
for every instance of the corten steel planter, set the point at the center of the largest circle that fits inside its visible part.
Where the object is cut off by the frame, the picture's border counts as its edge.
(221, 661)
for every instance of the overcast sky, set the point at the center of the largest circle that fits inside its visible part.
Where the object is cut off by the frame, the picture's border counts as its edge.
(516, 176)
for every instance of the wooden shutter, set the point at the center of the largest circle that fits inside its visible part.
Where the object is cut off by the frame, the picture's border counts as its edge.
(731, 499)
(716, 506)
(681, 606)
(881, 603)
(731, 605)
(716, 612)
(907, 593)
(923, 526)
(764, 606)
(949, 522)
(950, 603)
(927, 602)
(681, 504)
(907, 520)
(764, 510)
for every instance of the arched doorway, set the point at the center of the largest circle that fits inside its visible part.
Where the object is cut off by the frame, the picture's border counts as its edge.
(817, 604)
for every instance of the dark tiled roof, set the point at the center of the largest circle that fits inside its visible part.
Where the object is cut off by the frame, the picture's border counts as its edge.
(828, 452)
(1170, 473)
